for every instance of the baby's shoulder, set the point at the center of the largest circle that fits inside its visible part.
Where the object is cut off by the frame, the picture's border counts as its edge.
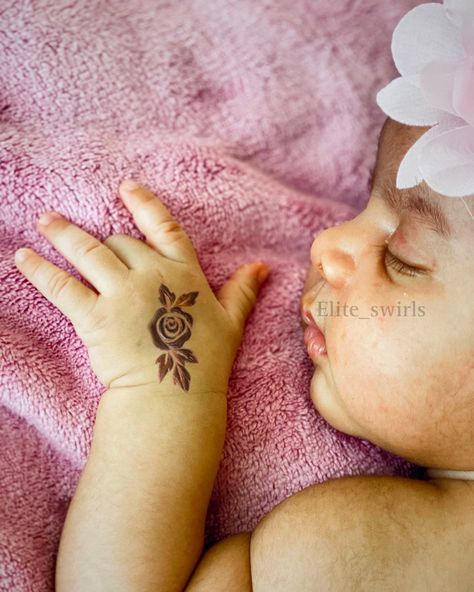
(357, 533)
(387, 533)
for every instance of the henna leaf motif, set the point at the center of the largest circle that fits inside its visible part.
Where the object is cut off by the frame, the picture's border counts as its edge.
(185, 355)
(165, 363)
(181, 376)
(187, 299)
(161, 366)
(167, 297)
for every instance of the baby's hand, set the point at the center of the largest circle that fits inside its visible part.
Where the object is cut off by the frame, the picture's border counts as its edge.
(155, 313)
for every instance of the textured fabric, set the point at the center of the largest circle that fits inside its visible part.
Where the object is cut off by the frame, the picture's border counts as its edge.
(255, 121)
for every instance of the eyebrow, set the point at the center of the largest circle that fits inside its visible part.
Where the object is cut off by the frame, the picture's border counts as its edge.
(417, 200)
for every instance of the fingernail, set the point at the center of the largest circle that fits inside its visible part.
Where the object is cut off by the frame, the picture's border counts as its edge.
(48, 217)
(21, 255)
(262, 274)
(130, 184)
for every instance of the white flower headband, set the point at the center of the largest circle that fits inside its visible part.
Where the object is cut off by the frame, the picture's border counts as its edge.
(433, 49)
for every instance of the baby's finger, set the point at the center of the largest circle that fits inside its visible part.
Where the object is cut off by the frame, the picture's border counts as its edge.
(94, 261)
(153, 219)
(135, 253)
(66, 292)
(239, 294)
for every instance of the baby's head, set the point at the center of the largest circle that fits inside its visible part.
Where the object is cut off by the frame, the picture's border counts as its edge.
(402, 379)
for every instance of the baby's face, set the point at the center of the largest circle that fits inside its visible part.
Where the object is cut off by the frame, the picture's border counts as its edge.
(405, 379)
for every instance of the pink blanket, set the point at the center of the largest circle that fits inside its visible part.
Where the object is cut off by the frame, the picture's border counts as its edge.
(256, 123)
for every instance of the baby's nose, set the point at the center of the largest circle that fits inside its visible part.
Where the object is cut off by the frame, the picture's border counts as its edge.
(337, 267)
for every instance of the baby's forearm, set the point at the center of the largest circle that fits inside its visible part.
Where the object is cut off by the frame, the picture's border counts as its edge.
(136, 521)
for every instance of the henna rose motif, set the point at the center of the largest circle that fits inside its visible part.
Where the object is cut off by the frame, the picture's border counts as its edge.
(170, 328)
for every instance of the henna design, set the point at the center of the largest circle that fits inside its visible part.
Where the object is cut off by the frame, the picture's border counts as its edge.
(170, 328)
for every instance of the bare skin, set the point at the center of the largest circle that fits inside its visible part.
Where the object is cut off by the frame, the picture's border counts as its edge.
(363, 534)
(425, 363)
(379, 533)
(137, 518)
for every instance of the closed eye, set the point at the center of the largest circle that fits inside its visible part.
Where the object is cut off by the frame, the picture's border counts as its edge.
(401, 266)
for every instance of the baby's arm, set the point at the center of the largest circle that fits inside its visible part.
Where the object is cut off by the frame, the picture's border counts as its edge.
(163, 344)
(358, 533)
(136, 522)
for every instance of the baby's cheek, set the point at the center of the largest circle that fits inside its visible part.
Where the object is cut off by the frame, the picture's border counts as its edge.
(370, 370)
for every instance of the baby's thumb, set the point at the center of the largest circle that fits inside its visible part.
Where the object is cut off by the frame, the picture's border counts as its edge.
(239, 294)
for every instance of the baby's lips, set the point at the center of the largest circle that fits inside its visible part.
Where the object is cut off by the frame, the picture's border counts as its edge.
(315, 342)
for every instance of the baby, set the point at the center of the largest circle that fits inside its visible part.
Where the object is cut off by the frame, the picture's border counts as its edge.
(403, 380)
(400, 372)
(389, 322)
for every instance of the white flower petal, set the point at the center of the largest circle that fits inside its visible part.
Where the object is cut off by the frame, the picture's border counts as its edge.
(463, 91)
(455, 182)
(405, 103)
(450, 122)
(468, 36)
(424, 35)
(459, 10)
(437, 85)
(414, 80)
(461, 13)
(409, 173)
(447, 162)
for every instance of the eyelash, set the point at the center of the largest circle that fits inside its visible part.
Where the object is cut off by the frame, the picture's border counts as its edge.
(400, 266)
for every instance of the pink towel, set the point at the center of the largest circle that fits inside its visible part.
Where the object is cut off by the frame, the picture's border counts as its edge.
(255, 121)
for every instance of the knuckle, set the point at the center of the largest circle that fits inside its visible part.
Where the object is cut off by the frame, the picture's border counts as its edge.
(113, 238)
(248, 293)
(58, 284)
(117, 237)
(37, 270)
(168, 227)
(85, 248)
(236, 329)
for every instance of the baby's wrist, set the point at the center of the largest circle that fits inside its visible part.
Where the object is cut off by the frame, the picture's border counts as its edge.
(181, 379)
(153, 396)
(151, 469)
(135, 412)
